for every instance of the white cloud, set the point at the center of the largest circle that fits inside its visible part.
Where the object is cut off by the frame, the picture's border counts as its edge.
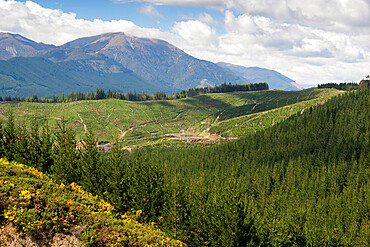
(340, 15)
(151, 11)
(56, 27)
(203, 17)
(243, 23)
(207, 3)
(207, 19)
(195, 33)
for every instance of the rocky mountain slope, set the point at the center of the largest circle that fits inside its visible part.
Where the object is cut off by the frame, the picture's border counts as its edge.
(256, 74)
(157, 61)
(14, 45)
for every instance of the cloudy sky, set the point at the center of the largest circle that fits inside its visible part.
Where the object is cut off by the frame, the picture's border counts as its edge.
(311, 42)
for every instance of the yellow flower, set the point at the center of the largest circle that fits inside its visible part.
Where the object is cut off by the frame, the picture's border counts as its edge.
(25, 194)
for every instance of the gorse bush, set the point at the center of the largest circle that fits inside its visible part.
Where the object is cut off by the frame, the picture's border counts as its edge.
(36, 206)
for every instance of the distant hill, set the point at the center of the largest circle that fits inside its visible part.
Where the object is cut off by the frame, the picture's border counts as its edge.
(157, 61)
(256, 74)
(14, 45)
(25, 76)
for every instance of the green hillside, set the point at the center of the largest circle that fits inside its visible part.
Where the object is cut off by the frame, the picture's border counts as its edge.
(225, 114)
(303, 182)
(25, 76)
(43, 212)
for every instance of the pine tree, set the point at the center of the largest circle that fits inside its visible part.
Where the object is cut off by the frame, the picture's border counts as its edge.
(116, 186)
(1, 139)
(34, 145)
(46, 149)
(22, 152)
(146, 187)
(91, 165)
(66, 159)
(10, 138)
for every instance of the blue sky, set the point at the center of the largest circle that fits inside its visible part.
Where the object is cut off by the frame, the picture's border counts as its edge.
(107, 10)
(312, 42)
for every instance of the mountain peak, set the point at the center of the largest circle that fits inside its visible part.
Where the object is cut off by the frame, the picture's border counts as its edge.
(15, 45)
(155, 60)
(115, 40)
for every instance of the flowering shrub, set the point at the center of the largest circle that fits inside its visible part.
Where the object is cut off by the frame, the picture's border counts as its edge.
(37, 207)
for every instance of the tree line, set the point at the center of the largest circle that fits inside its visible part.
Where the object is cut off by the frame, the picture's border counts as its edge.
(348, 86)
(303, 182)
(100, 93)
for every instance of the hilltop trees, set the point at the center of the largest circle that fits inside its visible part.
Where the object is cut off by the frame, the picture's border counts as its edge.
(365, 83)
(140, 96)
(341, 86)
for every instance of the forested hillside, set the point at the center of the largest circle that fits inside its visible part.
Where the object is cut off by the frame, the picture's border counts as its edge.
(302, 182)
(22, 76)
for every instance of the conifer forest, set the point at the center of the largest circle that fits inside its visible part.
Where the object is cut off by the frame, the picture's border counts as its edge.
(303, 182)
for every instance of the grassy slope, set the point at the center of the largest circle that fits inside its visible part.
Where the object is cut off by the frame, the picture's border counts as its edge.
(227, 114)
(39, 208)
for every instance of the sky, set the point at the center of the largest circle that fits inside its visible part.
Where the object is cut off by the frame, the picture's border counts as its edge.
(312, 42)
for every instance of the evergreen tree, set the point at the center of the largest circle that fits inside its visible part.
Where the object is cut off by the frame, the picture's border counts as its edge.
(116, 186)
(1, 140)
(146, 187)
(34, 144)
(10, 138)
(22, 150)
(91, 164)
(46, 149)
(65, 156)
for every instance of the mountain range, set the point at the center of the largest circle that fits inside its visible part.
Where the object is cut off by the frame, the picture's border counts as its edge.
(114, 61)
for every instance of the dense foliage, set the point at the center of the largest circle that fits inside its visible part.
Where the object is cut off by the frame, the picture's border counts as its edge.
(304, 181)
(139, 96)
(341, 86)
